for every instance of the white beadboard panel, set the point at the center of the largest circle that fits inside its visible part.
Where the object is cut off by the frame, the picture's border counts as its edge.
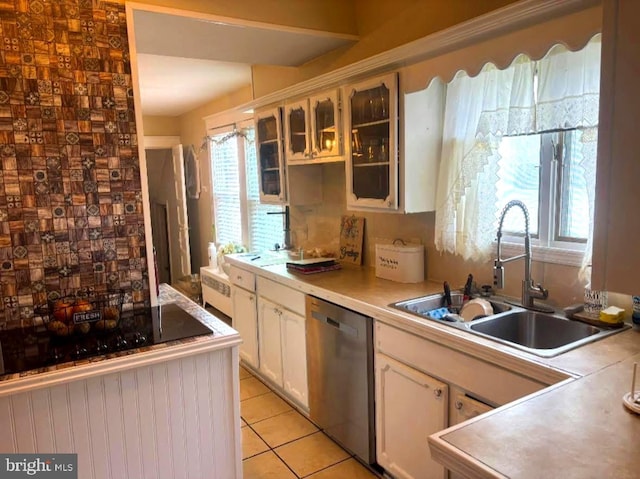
(98, 427)
(225, 404)
(191, 418)
(176, 404)
(132, 433)
(23, 423)
(80, 433)
(43, 420)
(7, 437)
(61, 419)
(115, 427)
(147, 424)
(205, 420)
(162, 416)
(178, 419)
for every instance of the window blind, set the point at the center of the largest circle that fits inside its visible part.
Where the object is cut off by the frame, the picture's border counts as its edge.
(264, 230)
(226, 191)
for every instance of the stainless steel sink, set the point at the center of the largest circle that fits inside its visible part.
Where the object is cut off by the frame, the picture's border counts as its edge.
(422, 305)
(538, 333)
(542, 334)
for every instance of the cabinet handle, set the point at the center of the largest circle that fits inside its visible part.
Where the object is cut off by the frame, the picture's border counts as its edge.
(459, 405)
(437, 392)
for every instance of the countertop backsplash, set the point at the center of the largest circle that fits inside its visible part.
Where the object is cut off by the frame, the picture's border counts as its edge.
(71, 204)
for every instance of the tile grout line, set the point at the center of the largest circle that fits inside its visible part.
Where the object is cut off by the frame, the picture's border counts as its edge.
(273, 449)
(329, 466)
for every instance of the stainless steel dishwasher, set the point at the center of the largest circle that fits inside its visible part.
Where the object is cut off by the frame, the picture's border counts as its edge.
(340, 375)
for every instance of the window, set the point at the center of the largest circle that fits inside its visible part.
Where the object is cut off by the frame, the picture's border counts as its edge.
(544, 171)
(238, 215)
(526, 132)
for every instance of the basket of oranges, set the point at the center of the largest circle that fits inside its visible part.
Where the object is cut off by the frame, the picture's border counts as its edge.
(78, 315)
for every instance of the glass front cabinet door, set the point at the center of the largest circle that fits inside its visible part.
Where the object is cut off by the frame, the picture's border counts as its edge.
(312, 129)
(372, 162)
(326, 138)
(297, 128)
(270, 160)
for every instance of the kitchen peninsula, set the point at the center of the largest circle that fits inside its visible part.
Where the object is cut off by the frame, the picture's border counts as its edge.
(164, 410)
(564, 405)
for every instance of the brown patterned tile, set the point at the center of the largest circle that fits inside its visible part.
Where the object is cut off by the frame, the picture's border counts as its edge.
(64, 107)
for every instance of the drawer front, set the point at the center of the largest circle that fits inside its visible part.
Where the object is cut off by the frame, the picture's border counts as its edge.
(284, 296)
(242, 278)
(485, 380)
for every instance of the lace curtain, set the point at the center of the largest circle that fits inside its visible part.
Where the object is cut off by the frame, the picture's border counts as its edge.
(480, 110)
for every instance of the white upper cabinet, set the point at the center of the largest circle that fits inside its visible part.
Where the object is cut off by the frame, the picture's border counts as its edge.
(394, 152)
(312, 129)
(271, 167)
(297, 131)
(372, 161)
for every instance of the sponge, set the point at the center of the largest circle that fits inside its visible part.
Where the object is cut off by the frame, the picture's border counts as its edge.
(612, 315)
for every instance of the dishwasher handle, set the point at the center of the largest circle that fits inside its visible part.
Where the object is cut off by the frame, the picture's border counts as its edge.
(342, 327)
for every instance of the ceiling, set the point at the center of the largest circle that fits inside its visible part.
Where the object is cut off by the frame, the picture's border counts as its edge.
(184, 62)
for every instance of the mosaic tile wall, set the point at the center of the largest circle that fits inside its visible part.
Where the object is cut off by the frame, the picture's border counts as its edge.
(70, 192)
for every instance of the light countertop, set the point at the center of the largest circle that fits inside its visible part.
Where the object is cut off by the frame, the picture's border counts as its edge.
(574, 429)
(222, 336)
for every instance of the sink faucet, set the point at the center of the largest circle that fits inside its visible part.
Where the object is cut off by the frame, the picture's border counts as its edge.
(530, 291)
(287, 227)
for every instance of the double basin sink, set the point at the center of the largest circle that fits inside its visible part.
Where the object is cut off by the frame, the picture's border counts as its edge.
(542, 334)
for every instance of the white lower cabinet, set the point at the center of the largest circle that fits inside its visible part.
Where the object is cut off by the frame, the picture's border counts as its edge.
(283, 349)
(294, 356)
(410, 406)
(462, 408)
(269, 340)
(245, 322)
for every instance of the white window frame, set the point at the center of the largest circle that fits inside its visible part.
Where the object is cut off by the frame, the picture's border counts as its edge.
(245, 225)
(545, 248)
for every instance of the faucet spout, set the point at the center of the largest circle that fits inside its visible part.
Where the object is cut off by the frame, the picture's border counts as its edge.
(287, 226)
(530, 291)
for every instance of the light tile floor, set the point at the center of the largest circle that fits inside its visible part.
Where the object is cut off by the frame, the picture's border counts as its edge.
(280, 443)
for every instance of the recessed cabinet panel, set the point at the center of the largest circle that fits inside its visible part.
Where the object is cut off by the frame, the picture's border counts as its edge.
(246, 323)
(372, 163)
(270, 160)
(269, 340)
(410, 406)
(297, 138)
(326, 126)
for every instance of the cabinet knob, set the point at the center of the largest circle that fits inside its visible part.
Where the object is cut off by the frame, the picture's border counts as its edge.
(437, 392)
(458, 405)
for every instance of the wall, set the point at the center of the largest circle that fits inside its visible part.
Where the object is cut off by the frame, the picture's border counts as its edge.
(326, 15)
(160, 162)
(318, 226)
(375, 19)
(381, 25)
(192, 132)
(70, 202)
(161, 126)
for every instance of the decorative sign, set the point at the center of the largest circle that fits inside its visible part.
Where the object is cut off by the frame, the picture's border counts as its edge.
(87, 316)
(351, 237)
